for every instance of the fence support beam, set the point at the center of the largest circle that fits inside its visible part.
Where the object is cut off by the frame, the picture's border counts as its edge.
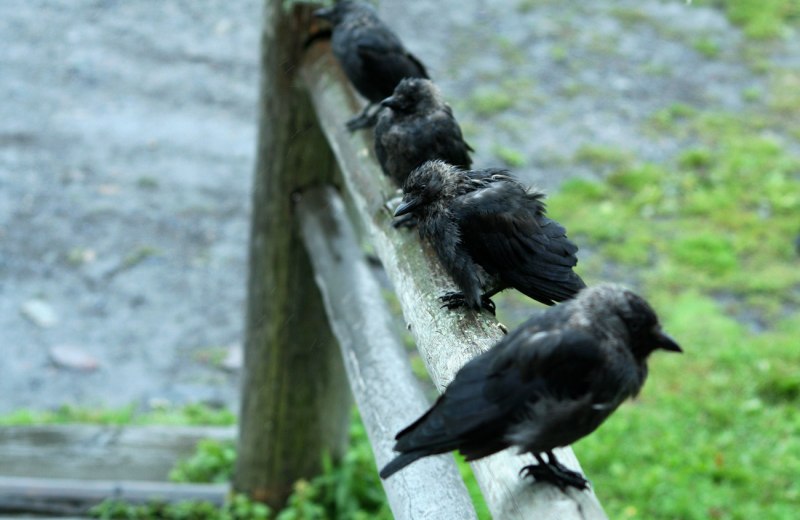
(49, 496)
(445, 339)
(295, 399)
(387, 394)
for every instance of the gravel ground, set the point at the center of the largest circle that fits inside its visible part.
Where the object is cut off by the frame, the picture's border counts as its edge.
(127, 132)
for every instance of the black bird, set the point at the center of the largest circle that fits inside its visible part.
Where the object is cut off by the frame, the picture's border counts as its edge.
(372, 56)
(417, 126)
(491, 233)
(550, 382)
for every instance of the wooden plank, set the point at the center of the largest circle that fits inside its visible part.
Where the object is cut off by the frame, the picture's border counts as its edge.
(83, 451)
(446, 340)
(384, 387)
(75, 497)
(40, 517)
(295, 399)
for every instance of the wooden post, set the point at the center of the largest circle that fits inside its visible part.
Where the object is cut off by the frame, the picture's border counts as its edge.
(295, 399)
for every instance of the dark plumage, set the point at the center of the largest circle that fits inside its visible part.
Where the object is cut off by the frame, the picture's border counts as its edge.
(417, 126)
(372, 56)
(490, 233)
(550, 382)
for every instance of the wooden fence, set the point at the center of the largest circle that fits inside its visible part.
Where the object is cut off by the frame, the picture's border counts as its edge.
(316, 318)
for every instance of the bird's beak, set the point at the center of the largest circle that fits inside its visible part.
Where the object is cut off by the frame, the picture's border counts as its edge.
(406, 206)
(390, 102)
(666, 342)
(324, 13)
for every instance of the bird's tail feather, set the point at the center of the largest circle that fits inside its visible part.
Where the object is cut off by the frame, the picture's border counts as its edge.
(400, 462)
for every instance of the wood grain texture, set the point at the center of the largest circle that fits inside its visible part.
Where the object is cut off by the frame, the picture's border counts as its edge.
(387, 394)
(295, 400)
(446, 339)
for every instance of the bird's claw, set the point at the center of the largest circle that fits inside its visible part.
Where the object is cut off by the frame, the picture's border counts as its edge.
(454, 300)
(555, 474)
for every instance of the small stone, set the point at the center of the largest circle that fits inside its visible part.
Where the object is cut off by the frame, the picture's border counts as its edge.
(234, 359)
(73, 358)
(39, 313)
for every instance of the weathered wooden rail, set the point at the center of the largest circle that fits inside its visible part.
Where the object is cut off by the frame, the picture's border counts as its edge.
(100, 452)
(67, 469)
(290, 348)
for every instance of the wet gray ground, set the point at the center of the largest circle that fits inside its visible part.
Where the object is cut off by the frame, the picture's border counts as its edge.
(127, 135)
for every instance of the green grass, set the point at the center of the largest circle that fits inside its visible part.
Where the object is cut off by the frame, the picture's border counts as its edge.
(524, 6)
(630, 16)
(189, 415)
(138, 256)
(709, 240)
(487, 101)
(668, 118)
(785, 93)
(715, 433)
(472, 486)
(213, 461)
(602, 157)
(237, 507)
(511, 157)
(760, 19)
(707, 47)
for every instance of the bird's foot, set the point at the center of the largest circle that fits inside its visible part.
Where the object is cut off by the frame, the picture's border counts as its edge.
(454, 300)
(488, 304)
(555, 474)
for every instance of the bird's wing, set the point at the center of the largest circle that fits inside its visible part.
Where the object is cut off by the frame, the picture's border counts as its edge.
(487, 395)
(505, 230)
(381, 152)
(384, 59)
(448, 141)
(556, 363)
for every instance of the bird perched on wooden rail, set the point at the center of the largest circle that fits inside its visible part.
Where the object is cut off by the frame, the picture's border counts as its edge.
(490, 233)
(372, 56)
(416, 126)
(550, 382)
